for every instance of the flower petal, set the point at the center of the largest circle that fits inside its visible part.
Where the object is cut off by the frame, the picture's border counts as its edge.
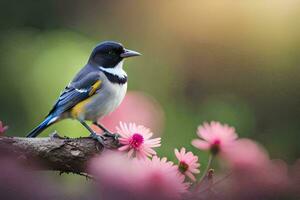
(200, 144)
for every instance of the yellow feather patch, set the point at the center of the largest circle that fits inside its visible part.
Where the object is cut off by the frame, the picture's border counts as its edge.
(78, 108)
(95, 87)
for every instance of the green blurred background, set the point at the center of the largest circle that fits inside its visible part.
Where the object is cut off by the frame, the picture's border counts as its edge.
(233, 61)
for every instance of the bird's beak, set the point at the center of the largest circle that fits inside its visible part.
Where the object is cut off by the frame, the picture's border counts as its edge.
(130, 53)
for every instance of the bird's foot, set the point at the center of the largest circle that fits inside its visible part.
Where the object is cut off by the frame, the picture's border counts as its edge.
(114, 136)
(112, 139)
(99, 138)
(108, 142)
(109, 137)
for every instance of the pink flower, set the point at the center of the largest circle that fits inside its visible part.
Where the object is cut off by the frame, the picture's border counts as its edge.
(120, 177)
(2, 127)
(136, 140)
(245, 153)
(215, 137)
(253, 174)
(117, 176)
(163, 177)
(188, 164)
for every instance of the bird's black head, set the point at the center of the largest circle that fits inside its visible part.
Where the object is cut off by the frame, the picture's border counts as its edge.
(108, 54)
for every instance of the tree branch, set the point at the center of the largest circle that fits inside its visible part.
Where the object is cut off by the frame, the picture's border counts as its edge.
(54, 153)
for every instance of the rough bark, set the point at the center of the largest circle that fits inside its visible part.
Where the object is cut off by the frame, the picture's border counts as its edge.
(54, 153)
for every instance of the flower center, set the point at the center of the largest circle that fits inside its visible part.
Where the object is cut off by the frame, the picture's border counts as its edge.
(183, 167)
(136, 140)
(215, 147)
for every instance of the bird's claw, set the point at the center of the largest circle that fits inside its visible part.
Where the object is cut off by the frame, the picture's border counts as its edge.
(99, 138)
(111, 140)
(114, 136)
(107, 133)
(107, 142)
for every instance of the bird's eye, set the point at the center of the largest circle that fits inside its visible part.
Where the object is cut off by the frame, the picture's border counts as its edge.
(112, 53)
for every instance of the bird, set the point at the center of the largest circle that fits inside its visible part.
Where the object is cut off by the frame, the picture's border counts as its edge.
(95, 91)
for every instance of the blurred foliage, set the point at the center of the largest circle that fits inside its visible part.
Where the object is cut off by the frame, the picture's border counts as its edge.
(236, 62)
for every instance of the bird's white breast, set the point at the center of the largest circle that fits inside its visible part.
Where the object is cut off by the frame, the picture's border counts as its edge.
(109, 97)
(117, 95)
(106, 101)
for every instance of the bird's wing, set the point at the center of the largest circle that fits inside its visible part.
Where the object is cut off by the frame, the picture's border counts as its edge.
(76, 92)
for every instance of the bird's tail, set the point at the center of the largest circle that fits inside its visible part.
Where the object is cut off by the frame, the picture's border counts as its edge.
(47, 122)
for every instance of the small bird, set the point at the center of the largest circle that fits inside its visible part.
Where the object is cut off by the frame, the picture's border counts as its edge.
(97, 90)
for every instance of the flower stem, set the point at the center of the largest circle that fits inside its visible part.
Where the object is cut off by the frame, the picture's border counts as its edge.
(210, 159)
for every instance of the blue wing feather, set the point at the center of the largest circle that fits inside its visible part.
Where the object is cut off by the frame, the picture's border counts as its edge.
(74, 93)
(78, 90)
